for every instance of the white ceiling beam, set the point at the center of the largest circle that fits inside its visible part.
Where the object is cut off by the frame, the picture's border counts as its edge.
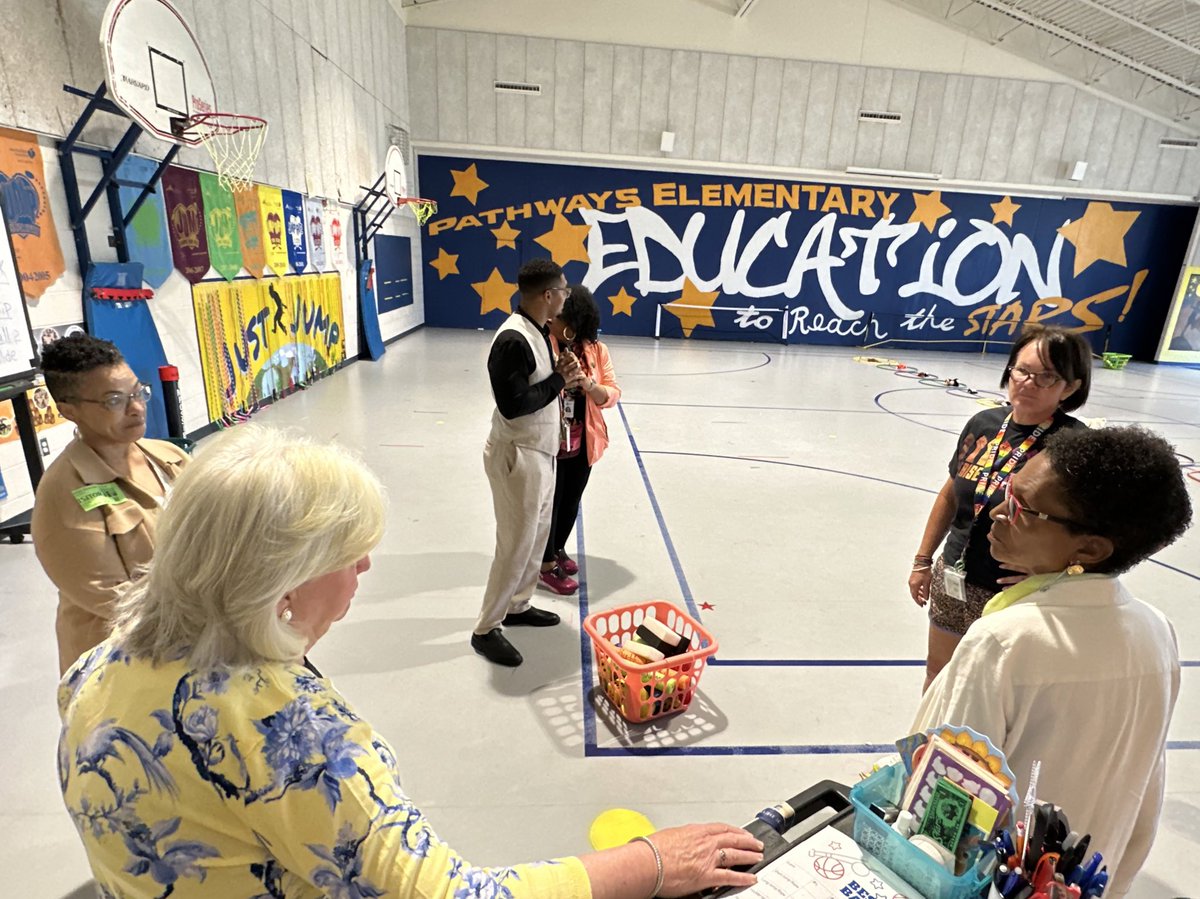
(744, 8)
(1015, 12)
(1140, 25)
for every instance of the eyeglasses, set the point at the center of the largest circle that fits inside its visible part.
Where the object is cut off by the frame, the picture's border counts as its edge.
(119, 402)
(1014, 510)
(1042, 379)
(566, 291)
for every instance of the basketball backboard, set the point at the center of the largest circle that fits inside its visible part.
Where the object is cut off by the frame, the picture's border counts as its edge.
(395, 170)
(154, 67)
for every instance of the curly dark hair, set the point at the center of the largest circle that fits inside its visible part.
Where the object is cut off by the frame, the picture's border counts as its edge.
(1124, 484)
(68, 360)
(580, 314)
(1066, 352)
(537, 275)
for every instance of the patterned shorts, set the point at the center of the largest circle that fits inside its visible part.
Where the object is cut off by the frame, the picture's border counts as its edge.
(947, 613)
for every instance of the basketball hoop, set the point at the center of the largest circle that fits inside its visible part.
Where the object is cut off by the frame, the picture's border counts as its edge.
(232, 140)
(395, 184)
(423, 209)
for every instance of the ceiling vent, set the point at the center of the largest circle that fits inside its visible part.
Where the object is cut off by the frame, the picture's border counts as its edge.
(887, 118)
(516, 87)
(1179, 143)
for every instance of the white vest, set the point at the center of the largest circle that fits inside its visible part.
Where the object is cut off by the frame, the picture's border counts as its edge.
(538, 430)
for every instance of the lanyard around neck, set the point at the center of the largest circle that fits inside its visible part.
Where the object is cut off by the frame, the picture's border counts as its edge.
(989, 478)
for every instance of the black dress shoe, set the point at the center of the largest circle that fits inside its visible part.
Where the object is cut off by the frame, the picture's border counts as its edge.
(494, 647)
(531, 617)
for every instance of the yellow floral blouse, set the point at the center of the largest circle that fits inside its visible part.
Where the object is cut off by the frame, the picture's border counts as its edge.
(258, 783)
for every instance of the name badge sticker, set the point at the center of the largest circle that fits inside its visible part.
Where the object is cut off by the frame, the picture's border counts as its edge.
(94, 496)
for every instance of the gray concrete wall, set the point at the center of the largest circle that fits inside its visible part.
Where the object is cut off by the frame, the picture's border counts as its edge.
(328, 75)
(793, 114)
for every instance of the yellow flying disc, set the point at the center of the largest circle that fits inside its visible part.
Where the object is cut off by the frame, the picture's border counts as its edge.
(618, 826)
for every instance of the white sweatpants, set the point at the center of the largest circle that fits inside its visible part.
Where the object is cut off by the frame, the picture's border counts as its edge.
(522, 481)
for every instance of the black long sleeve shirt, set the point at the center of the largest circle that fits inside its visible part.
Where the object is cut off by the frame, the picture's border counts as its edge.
(510, 363)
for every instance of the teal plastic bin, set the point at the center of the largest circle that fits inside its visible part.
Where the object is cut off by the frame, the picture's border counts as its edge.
(901, 857)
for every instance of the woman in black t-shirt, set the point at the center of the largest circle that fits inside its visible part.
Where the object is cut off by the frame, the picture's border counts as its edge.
(1048, 375)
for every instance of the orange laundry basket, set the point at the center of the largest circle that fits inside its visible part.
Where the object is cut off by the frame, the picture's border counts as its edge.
(644, 692)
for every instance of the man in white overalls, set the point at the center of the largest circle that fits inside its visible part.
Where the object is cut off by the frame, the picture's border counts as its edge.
(520, 456)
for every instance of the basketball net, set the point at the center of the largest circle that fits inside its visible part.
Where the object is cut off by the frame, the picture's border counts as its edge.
(423, 209)
(232, 140)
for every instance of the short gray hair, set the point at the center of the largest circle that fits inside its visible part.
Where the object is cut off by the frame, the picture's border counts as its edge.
(257, 514)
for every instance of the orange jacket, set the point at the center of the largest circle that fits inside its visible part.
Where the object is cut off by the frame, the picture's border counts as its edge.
(598, 365)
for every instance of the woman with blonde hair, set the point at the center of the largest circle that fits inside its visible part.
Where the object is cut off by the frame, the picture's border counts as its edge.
(201, 754)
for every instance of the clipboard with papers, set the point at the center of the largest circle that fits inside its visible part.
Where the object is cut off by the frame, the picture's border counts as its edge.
(816, 857)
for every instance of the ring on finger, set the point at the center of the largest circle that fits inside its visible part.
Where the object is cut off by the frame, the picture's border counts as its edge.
(721, 859)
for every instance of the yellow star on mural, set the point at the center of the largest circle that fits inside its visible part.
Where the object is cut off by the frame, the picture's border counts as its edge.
(467, 183)
(565, 241)
(446, 263)
(929, 208)
(495, 293)
(506, 236)
(1004, 211)
(1100, 234)
(691, 318)
(622, 303)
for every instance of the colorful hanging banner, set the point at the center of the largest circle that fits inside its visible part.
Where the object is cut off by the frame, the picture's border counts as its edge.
(185, 222)
(250, 231)
(297, 245)
(146, 236)
(23, 192)
(262, 339)
(338, 238)
(270, 204)
(8, 422)
(221, 224)
(316, 232)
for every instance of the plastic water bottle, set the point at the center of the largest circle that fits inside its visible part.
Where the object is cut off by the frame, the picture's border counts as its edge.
(778, 817)
(770, 824)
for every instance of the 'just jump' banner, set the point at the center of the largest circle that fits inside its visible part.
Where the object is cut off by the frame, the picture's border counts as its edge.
(746, 258)
(263, 338)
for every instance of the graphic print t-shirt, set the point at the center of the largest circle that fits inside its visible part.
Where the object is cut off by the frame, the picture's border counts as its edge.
(980, 431)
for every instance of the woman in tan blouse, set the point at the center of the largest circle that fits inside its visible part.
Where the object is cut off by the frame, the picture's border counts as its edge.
(96, 506)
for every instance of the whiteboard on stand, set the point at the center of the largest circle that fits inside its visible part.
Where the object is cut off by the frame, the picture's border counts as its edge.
(18, 358)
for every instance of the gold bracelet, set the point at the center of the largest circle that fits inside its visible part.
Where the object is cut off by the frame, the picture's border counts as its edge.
(657, 861)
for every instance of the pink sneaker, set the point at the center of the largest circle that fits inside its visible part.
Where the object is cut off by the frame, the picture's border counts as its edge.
(556, 582)
(566, 563)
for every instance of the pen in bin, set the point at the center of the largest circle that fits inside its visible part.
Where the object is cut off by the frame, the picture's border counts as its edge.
(1083, 874)
(1096, 885)
(1030, 802)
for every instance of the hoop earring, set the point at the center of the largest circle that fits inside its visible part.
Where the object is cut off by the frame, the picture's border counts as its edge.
(566, 336)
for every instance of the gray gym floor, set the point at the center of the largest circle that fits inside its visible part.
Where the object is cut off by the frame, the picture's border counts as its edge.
(781, 491)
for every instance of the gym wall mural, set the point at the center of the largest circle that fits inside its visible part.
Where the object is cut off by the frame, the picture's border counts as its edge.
(760, 259)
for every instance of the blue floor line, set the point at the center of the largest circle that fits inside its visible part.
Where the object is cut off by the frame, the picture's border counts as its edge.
(718, 662)
(591, 747)
(799, 749)
(662, 524)
(585, 642)
(815, 749)
(816, 663)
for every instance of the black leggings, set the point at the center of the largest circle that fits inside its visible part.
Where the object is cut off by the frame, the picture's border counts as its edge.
(572, 478)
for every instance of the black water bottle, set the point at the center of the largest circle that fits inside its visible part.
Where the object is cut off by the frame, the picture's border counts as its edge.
(770, 825)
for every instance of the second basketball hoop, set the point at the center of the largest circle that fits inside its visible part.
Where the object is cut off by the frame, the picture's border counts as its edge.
(395, 183)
